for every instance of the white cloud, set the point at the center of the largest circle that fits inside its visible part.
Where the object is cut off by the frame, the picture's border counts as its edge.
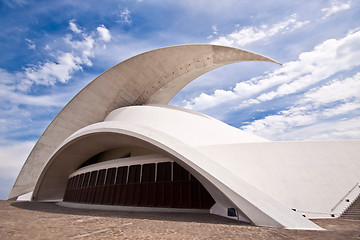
(83, 48)
(207, 101)
(51, 72)
(18, 95)
(249, 34)
(324, 130)
(123, 15)
(335, 7)
(325, 60)
(104, 33)
(74, 27)
(214, 32)
(320, 96)
(273, 125)
(334, 91)
(15, 3)
(79, 51)
(300, 123)
(9, 96)
(13, 156)
(342, 109)
(322, 106)
(31, 44)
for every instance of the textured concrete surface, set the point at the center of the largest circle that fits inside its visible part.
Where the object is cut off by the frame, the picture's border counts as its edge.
(30, 220)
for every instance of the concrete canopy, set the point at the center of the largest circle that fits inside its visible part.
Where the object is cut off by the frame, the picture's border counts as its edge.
(154, 77)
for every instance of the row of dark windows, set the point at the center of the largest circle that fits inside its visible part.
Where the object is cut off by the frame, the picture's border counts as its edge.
(164, 184)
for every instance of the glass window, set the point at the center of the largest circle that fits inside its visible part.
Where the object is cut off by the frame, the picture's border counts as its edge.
(86, 180)
(101, 177)
(148, 173)
(177, 172)
(121, 175)
(134, 174)
(81, 179)
(110, 176)
(164, 172)
(93, 176)
(73, 182)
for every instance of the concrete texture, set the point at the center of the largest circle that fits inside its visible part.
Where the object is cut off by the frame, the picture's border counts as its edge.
(32, 220)
(153, 77)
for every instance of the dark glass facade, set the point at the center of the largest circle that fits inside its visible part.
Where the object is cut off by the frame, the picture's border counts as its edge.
(164, 184)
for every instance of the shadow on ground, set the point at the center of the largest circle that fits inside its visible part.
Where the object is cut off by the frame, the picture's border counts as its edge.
(180, 217)
(34, 220)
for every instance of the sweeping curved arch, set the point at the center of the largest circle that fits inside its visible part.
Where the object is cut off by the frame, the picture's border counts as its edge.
(154, 77)
(219, 181)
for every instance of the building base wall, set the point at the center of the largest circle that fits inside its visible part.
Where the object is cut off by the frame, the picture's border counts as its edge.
(130, 208)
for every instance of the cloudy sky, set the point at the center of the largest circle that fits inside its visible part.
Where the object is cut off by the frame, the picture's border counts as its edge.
(51, 49)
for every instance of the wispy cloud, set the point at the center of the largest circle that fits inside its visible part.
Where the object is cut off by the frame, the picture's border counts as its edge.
(123, 15)
(17, 152)
(315, 79)
(74, 27)
(335, 90)
(335, 7)
(31, 44)
(66, 63)
(10, 97)
(325, 60)
(15, 3)
(249, 34)
(19, 91)
(330, 104)
(18, 108)
(49, 73)
(214, 32)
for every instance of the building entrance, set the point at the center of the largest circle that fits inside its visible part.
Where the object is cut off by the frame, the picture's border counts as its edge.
(163, 184)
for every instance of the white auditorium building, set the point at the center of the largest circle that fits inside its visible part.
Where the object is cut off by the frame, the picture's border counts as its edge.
(119, 145)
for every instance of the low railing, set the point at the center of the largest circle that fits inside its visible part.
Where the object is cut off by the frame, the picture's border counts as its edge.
(342, 199)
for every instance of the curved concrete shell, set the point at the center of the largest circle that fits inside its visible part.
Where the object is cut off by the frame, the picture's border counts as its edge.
(153, 77)
(122, 117)
(126, 127)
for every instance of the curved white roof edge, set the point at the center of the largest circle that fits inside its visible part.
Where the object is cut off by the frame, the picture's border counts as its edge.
(190, 127)
(154, 77)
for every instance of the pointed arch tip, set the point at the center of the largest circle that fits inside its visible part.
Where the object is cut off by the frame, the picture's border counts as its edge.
(264, 58)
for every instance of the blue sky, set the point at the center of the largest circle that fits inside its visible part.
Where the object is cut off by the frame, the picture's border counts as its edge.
(51, 49)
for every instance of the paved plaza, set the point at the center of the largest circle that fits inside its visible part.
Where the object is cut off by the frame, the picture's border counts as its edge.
(31, 220)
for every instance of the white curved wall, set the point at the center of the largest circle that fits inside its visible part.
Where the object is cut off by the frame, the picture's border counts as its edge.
(310, 176)
(226, 187)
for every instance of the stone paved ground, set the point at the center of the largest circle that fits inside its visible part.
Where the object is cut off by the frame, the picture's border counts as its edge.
(30, 220)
